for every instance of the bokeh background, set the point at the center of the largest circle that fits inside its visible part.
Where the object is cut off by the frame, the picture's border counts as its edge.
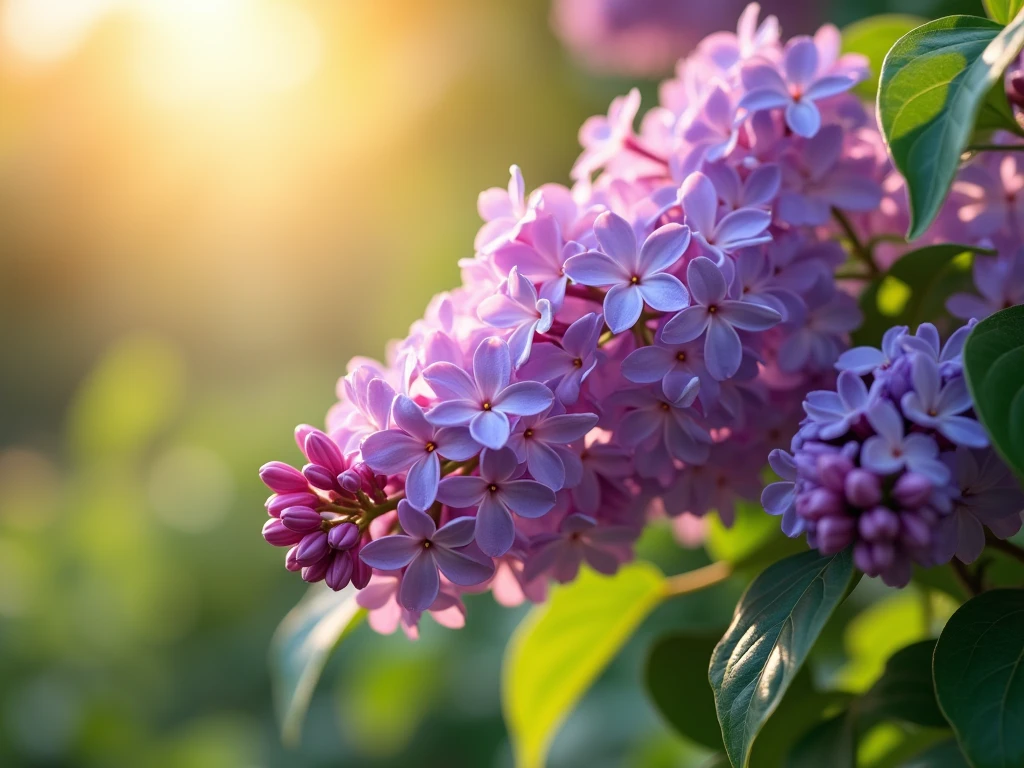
(206, 208)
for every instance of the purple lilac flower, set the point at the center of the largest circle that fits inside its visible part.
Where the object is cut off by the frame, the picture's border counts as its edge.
(503, 210)
(863, 360)
(496, 495)
(737, 229)
(717, 318)
(653, 421)
(416, 447)
(999, 280)
(579, 540)
(570, 364)
(675, 367)
(834, 413)
(796, 89)
(521, 310)
(541, 442)
(633, 277)
(485, 400)
(543, 259)
(604, 137)
(938, 406)
(423, 550)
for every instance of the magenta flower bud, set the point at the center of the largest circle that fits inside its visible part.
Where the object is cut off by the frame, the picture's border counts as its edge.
(863, 488)
(319, 477)
(350, 481)
(879, 523)
(832, 471)
(884, 554)
(301, 433)
(361, 572)
(275, 533)
(344, 536)
(914, 531)
(317, 571)
(820, 503)
(834, 534)
(279, 502)
(312, 547)
(339, 572)
(912, 490)
(282, 478)
(864, 559)
(290, 562)
(302, 519)
(320, 449)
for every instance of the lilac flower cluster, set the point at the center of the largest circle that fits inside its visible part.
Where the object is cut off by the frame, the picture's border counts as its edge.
(895, 465)
(633, 344)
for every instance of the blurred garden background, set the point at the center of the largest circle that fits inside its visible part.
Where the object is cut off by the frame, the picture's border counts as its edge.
(206, 208)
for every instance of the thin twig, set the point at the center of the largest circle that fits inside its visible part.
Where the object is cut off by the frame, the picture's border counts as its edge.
(696, 580)
(1006, 547)
(965, 578)
(858, 248)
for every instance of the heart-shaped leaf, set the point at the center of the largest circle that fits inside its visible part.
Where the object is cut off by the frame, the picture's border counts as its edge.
(904, 691)
(301, 646)
(934, 82)
(562, 646)
(945, 754)
(1002, 11)
(677, 682)
(873, 37)
(979, 677)
(774, 627)
(994, 365)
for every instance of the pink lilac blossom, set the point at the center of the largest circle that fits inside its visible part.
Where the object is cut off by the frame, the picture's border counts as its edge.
(896, 466)
(628, 347)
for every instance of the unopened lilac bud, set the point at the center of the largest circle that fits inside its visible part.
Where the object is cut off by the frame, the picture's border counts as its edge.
(914, 531)
(864, 559)
(282, 478)
(320, 449)
(344, 536)
(912, 490)
(361, 572)
(884, 554)
(279, 502)
(339, 572)
(302, 519)
(879, 523)
(820, 503)
(834, 534)
(301, 433)
(312, 547)
(863, 488)
(350, 481)
(832, 471)
(290, 562)
(319, 477)
(317, 571)
(275, 533)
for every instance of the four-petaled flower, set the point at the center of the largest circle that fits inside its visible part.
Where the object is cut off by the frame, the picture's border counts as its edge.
(603, 137)
(541, 441)
(485, 400)
(719, 317)
(634, 277)
(890, 450)
(521, 310)
(423, 550)
(571, 363)
(737, 229)
(938, 406)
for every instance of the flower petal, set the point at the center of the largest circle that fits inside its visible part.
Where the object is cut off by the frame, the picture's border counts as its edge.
(462, 569)
(420, 583)
(723, 351)
(492, 367)
(748, 316)
(527, 498)
(663, 292)
(453, 413)
(461, 492)
(391, 451)
(421, 482)
(705, 281)
(566, 427)
(622, 306)
(616, 238)
(686, 326)
(457, 532)
(408, 416)
(663, 248)
(803, 118)
(415, 523)
(450, 382)
(490, 429)
(495, 529)
(700, 203)
(524, 398)
(647, 365)
(595, 268)
(389, 553)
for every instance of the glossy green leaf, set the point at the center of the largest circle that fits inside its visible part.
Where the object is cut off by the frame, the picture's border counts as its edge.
(873, 37)
(562, 646)
(934, 82)
(905, 692)
(946, 754)
(979, 677)
(677, 682)
(774, 627)
(301, 646)
(924, 279)
(1002, 10)
(831, 743)
(994, 366)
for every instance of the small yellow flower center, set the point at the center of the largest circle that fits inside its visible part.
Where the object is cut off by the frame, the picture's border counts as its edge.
(664, 406)
(681, 357)
(492, 488)
(577, 363)
(427, 544)
(634, 279)
(486, 406)
(528, 433)
(712, 309)
(431, 447)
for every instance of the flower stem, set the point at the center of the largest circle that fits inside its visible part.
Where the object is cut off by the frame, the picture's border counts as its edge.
(696, 580)
(634, 146)
(1006, 547)
(966, 579)
(857, 248)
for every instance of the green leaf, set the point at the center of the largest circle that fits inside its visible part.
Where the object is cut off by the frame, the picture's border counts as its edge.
(905, 692)
(774, 627)
(934, 82)
(994, 366)
(979, 677)
(832, 743)
(561, 647)
(677, 682)
(915, 289)
(1002, 11)
(300, 648)
(873, 37)
(943, 755)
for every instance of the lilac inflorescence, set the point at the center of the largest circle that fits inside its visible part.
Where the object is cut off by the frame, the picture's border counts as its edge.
(893, 462)
(636, 342)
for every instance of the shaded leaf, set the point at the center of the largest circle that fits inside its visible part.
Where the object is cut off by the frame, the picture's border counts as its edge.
(301, 646)
(979, 677)
(873, 37)
(994, 366)
(905, 692)
(933, 84)
(774, 627)
(561, 647)
(832, 742)
(943, 755)
(677, 682)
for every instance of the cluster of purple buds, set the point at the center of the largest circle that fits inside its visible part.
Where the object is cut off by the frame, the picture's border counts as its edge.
(893, 462)
(625, 348)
